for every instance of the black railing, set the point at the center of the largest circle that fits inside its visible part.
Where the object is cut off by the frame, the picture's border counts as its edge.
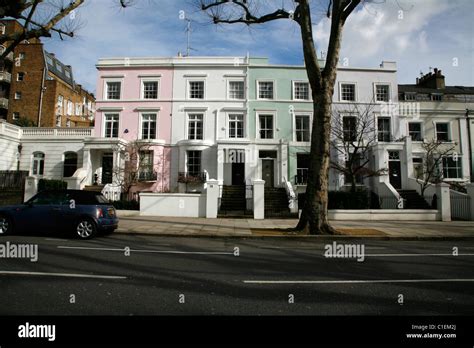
(147, 176)
(237, 203)
(10, 179)
(186, 177)
(301, 177)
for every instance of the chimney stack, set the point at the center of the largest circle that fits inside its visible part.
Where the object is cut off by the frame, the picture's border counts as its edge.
(432, 80)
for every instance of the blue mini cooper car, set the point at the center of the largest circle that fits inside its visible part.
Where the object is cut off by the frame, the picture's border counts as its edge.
(81, 213)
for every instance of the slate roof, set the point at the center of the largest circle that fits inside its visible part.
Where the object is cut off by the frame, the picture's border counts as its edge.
(446, 90)
(55, 66)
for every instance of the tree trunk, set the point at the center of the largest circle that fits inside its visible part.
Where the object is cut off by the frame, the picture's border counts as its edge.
(353, 183)
(314, 218)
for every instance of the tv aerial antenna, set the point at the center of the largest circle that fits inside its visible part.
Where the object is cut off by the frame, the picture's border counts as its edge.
(188, 32)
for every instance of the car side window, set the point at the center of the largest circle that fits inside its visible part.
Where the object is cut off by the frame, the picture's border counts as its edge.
(49, 198)
(42, 198)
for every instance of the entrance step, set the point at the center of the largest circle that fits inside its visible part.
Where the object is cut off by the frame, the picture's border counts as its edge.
(276, 203)
(413, 200)
(233, 200)
(95, 188)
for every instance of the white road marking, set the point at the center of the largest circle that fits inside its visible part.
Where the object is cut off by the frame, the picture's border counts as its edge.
(57, 239)
(70, 275)
(407, 255)
(151, 251)
(356, 281)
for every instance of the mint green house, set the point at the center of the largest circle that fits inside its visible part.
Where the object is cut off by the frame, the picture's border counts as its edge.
(280, 114)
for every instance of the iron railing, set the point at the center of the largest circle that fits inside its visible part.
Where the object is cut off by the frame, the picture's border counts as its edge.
(187, 177)
(10, 179)
(301, 177)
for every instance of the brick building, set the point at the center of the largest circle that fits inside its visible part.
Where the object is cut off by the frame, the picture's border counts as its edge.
(41, 89)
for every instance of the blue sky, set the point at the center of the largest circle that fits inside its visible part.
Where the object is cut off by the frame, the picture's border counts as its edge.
(417, 34)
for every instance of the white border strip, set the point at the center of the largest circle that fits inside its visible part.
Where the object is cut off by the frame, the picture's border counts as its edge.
(70, 275)
(383, 281)
(150, 251)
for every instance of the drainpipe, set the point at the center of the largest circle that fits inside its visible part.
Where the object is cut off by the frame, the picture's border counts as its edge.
(41, 97)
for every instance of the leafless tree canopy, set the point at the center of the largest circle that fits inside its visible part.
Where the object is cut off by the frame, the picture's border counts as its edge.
(353, 135)
(39, 18)
(434, 152)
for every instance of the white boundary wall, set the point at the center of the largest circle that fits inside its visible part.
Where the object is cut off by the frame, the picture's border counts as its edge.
(173, 204)
(385, 214)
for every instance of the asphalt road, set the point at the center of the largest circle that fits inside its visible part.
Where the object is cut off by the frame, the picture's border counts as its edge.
(96, 277)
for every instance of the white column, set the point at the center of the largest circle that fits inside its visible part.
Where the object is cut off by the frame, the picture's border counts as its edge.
(444, 201)
(407, 161)
(220, 164)
(470, 193)
(87, 165)
(212, 198)
(284, 161)
(258, 199)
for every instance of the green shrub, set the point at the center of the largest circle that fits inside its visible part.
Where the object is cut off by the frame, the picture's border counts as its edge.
(46, 184)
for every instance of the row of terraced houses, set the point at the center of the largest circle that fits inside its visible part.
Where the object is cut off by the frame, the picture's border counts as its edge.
(237, 120)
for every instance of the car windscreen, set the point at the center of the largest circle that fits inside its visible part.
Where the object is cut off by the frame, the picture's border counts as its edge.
(101, 199)
(88, 198)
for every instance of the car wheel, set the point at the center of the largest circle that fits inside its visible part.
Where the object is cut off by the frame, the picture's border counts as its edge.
(85, 228)
(6, 225)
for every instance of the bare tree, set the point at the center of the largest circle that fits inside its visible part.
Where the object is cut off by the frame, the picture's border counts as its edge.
(431, 170)
(353, 135)
(39, 18)
(314, 218)
(137, 166)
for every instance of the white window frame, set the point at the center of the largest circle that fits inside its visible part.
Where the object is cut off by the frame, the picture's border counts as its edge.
(422, 130)
(450, 134)
(188, 88)
(377, 117)
(18, 76)
(356, 94)
(106, 88)
(293, 90)
(203, 114)
(229, 81)
(104, 121)
(274, 89)
(78, 109)
(389, 91)
(141, 124)
(244, 124)
(17, 96)
(308, 114)
(459, 168)
(17, 115)
(142, 88)
(356, 116)
(200, 161)
(70, 108)
(33, 160)
(265, 113)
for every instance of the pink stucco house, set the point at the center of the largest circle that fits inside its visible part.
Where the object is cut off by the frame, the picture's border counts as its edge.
(134, 105)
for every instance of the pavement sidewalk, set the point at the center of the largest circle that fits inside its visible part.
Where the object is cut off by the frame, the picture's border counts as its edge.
(227, 227)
